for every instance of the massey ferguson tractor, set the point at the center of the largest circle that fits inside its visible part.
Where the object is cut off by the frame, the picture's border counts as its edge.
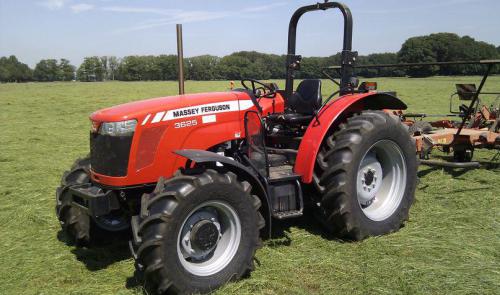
(198, 179)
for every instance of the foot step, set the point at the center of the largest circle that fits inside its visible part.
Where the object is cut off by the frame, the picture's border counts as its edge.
(287, 214)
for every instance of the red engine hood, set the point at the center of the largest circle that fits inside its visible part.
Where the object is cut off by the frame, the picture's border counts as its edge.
(139, 109)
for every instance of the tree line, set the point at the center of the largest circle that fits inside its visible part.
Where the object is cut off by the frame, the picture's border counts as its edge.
(251, 64)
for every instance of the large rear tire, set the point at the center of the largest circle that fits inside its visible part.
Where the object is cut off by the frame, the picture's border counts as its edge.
(76, 223)
(366, 176)
(198, 232)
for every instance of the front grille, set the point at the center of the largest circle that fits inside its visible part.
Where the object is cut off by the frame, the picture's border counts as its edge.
(109, 154)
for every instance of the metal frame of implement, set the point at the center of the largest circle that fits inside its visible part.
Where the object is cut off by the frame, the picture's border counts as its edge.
(449, 136)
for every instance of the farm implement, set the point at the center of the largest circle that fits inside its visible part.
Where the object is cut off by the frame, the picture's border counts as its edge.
(477, 125)
(196, 180)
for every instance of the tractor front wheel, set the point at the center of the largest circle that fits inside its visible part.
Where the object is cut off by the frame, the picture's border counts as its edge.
(366, 175)
(197, 232)
(82, 229)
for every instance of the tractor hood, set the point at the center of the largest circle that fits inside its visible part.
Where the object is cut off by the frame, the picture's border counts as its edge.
(140, 110)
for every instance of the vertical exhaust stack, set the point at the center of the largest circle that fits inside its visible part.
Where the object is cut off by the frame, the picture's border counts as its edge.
(180, 59)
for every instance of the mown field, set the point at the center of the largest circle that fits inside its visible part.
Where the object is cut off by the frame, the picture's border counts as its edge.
(451, 245)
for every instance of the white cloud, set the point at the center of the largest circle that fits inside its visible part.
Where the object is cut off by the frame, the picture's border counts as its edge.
(171, 16)
(77, 8)
(141, 10)
(176, 16)
(53, 4)
(264, 7)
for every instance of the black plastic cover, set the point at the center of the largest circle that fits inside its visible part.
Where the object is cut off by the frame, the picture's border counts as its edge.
(109, 154)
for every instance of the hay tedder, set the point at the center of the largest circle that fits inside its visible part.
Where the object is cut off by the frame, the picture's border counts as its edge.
(196, 180)
(477, 125)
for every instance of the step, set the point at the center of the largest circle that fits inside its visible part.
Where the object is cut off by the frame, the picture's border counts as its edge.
(288, 214)
(282, 173)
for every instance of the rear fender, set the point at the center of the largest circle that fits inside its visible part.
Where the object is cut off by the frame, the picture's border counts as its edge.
(330, 117)
(201, 156)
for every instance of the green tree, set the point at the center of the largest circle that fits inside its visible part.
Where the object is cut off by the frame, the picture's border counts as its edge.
(445, 47)
(47, 70)
(202, 67)
(234, 67)
(379, 58)
(131, 69)
(66, 70)
(104, 66)
(168, 67)
(418, 49)
(113, 64)
(90, 70)
(12, 70)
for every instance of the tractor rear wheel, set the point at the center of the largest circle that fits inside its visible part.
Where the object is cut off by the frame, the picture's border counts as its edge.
(366, 175)
(197, 232)
(80, 227)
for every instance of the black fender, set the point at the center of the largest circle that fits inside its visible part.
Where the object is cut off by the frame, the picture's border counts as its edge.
(384, 100)
(202, 156)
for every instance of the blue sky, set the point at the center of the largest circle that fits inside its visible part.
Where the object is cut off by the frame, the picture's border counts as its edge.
(72, 29)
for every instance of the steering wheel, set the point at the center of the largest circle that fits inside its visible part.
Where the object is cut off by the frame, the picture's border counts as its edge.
(259, 90)
(262, 89)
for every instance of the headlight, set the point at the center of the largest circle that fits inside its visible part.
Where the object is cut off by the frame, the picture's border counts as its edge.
(118, 128)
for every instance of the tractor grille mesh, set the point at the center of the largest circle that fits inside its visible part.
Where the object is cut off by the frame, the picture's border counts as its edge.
(109, 154)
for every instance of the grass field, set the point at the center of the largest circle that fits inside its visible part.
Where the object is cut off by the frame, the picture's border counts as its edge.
(450, 245)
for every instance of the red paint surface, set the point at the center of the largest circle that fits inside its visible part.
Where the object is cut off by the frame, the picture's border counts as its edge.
(229, 126)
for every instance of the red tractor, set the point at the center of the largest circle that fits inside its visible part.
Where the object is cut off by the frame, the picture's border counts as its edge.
(198, 179)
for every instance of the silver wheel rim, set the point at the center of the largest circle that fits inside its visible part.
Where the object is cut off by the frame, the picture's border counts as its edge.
(381, 180)
(225, 223)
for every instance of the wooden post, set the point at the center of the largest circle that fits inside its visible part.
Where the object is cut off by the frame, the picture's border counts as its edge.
(180, 59)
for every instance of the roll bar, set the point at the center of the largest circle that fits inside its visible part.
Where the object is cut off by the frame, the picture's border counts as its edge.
(348, 56)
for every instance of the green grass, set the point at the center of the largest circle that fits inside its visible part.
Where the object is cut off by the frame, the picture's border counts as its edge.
(450, 245)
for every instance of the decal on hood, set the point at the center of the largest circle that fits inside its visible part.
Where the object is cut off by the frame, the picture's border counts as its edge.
(199, 110)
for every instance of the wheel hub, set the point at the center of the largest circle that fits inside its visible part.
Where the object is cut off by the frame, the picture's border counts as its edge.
(200, 234)
(369, 179)
(204, 235)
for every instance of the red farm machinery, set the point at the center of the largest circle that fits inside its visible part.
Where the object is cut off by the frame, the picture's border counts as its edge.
(196, 180)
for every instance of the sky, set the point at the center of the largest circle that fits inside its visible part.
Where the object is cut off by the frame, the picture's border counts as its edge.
(72, 29)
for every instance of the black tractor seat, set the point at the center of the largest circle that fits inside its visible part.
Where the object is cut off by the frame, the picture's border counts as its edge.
(302, 105)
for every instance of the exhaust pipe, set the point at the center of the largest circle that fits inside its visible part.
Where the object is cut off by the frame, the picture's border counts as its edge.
(180, 59)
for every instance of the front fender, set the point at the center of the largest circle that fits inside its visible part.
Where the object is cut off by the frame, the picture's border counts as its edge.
(330, 117)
